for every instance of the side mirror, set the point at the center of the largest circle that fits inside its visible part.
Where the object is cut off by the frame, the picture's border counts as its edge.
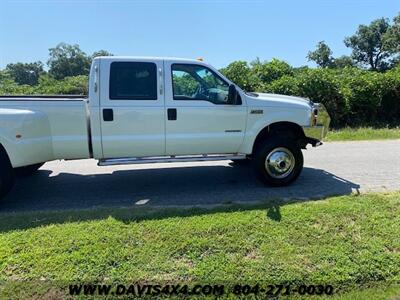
(233, 95)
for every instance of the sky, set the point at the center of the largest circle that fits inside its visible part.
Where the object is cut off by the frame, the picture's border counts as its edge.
(220, 31)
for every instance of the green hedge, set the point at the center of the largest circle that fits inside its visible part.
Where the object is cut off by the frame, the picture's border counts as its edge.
(353, 97)
(316, 84)
(46, 86)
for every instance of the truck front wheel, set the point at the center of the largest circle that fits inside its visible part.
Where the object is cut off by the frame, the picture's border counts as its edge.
(278, 161)
(7, 176)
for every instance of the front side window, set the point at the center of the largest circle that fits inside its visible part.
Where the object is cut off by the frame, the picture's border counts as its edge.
(195, 82)
(133, 81)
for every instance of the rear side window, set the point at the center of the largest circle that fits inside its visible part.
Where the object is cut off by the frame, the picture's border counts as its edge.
(133, 81)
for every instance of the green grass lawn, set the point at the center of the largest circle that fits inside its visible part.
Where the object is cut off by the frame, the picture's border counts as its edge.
(348, 241)
(358, 134)
(374, 293)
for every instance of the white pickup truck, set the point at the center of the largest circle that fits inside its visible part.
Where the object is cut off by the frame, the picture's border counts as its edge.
(144, 110)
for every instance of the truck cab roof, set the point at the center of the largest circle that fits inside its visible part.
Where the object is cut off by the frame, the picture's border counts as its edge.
(151, 58)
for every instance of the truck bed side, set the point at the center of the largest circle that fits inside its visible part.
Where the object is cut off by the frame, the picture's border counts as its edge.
(43, 128)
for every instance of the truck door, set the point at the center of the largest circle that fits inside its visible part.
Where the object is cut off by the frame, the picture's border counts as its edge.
(132, 108)
(199, 119)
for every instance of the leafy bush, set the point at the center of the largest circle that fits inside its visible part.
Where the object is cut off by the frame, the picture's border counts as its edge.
(266, 72)
(389, 110)
(372, 98)
(353, 97)
(286, 85)
(47, 86)
(364, 96)
(319, 85)
(241, 74)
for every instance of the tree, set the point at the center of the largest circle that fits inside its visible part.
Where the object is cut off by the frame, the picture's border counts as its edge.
(367, 44)
(322, 56)
(343, 61)
(392, 40)
(101, 53)
(240, 73)
(25, 73)
(269, 71)
(5, 80)
(68, 60)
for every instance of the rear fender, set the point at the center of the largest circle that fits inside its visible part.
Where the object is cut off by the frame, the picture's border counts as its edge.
(26, 136)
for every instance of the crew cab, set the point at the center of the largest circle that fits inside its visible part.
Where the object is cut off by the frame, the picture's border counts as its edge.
(144, 110)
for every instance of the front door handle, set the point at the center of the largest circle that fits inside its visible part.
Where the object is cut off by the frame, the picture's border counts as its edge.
(108, 115)
(171, 112)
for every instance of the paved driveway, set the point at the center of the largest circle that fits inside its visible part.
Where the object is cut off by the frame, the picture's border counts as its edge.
(336, 168)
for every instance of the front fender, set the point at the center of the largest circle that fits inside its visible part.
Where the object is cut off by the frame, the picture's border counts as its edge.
(257, 122)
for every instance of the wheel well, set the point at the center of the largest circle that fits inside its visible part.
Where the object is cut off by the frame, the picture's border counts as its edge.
(3, 150)
(4, 155)
(288, 129)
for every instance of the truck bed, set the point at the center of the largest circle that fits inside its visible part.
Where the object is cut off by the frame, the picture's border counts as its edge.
(50, 126)
(43, 97)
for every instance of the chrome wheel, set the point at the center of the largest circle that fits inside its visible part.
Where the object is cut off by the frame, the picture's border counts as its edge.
(279, 163)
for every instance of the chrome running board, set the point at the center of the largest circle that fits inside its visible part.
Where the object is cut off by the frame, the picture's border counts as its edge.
(167, 159)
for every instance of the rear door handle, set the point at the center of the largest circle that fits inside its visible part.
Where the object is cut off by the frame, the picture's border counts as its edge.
(172, 114)
(108, 115)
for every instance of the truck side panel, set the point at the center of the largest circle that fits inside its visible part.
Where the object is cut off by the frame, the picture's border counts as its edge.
(34, 130)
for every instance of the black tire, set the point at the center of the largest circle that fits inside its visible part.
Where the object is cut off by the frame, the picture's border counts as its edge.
(278, 172)
(7, 176)
(27, 170)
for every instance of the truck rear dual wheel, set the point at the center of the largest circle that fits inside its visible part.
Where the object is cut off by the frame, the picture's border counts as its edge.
(278, 161)
(7, 176)
(27, 170)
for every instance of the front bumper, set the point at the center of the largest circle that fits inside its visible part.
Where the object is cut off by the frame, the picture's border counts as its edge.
(319, 124)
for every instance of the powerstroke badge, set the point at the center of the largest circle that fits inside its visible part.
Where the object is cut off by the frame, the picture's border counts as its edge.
(256, 111)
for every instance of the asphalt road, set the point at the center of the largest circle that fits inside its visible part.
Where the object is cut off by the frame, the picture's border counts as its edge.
(336, 168)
